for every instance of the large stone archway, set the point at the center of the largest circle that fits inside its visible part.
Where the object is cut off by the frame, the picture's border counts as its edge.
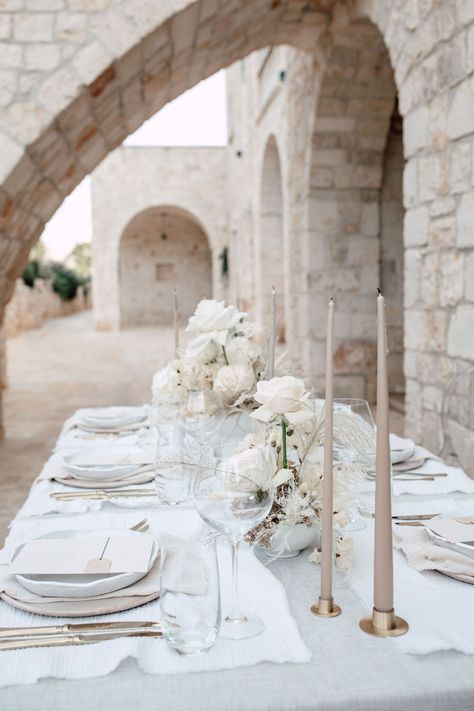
(271, 258)
(73, 85)
(352, 121)
(162, 249)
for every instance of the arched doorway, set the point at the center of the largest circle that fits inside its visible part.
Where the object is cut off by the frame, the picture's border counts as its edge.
(161, 249)
(355, 208)
(271, 257)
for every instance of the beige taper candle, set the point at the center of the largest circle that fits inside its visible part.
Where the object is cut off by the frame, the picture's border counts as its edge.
(176, 324)
(327, 523)
(383, 557)
(272, 339)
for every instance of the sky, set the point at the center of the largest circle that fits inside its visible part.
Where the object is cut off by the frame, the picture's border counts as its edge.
(205, 103)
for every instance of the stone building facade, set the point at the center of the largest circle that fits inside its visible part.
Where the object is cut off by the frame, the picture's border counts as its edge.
(160, 222)
(77, 77)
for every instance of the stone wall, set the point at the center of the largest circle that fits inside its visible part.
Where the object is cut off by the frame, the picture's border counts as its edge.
(162, 250)
(130, 185)
(75, 81)
(31, 307)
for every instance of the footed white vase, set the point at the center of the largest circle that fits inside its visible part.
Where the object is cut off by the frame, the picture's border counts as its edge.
(289, 541)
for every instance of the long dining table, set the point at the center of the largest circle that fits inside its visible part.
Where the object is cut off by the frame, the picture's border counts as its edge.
(348, 670)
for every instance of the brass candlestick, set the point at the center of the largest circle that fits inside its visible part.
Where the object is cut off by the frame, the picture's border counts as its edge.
(325, 608)
(383, 624)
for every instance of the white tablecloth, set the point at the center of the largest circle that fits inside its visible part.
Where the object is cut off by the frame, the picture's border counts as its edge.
(340, 651)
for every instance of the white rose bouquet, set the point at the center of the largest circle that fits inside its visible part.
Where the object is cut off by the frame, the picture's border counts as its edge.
(223, 356)
(295, 428)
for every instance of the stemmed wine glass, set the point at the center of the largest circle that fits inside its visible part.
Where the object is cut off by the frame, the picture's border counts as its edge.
(230, 502)
(198, 416)
(353, 443)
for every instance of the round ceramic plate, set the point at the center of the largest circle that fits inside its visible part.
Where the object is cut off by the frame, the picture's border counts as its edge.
(83, 585)
(100, 470)
(143, 478)
(101, 422)
(81, 608)
(404, 450)
(461, 548)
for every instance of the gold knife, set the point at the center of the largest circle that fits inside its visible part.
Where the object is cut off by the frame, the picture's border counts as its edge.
(77, 629)
(76, 640)
(415, 517)
(101, 494)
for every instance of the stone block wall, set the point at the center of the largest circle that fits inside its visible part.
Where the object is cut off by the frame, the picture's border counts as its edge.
(31, 307)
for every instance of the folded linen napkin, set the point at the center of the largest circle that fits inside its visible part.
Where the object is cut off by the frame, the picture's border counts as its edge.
(424, 554)
(77, 420)
(54, 467)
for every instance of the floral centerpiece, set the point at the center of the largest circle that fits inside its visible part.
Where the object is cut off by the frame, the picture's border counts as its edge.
(291, 461)
(223, 357)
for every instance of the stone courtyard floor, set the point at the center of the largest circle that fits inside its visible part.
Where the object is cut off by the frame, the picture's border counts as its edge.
(58, 368)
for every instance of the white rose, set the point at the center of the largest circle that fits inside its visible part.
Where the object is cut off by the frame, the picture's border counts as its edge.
(202, 349)
(284, 396)
(214, 316)
(233, 380)
(167, 387)
(256, 467)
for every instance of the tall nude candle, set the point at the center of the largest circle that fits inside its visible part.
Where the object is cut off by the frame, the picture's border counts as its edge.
(383, 558)
(272, 338)
(176, 324)
(327, 523)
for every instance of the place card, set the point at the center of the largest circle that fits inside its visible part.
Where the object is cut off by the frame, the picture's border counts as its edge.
(452, 530)
(70, 556)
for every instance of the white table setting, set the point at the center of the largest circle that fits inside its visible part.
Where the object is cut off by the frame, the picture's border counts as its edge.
(147, 520)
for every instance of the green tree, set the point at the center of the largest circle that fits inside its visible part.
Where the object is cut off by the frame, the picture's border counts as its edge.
(80, 259)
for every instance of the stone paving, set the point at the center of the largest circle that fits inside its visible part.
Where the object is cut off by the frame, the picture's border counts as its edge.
(56, 369)
(60, 367)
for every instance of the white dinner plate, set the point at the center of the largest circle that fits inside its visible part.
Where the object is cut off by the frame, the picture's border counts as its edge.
(401, 448)
(84, 585)
(101, 469)
(461, 548)
(105, 422)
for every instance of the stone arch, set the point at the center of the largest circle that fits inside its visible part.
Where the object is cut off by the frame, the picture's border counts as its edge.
(271, 257)
(161, 249)
(132, 60)
(351, 203)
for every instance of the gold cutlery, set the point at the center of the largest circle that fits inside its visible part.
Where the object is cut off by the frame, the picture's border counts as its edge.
(465, 519)
(101, 494)
(415, 517)
(141, 526)
(79, 629)
(75, 640)
(408, 523)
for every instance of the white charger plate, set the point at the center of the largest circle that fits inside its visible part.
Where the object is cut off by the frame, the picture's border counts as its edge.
(98, 470)
(105, 422)
(83, 585)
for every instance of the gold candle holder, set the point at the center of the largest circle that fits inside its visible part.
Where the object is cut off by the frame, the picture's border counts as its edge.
(383, 624)
(325, 607)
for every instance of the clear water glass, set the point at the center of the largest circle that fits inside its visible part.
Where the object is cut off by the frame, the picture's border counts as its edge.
(354, 443)
(230, 503)
(191, 621)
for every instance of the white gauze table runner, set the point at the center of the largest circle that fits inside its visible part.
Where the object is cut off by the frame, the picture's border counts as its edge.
(260, 592)
(438, 609)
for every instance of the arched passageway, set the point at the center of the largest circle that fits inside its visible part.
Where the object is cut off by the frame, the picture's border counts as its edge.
(355, 207)
(271, 258)
(161, 249)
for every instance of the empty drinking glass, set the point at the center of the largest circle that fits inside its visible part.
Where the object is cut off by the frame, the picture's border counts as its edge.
(190, 595)
(230, 501)
(354, 443)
